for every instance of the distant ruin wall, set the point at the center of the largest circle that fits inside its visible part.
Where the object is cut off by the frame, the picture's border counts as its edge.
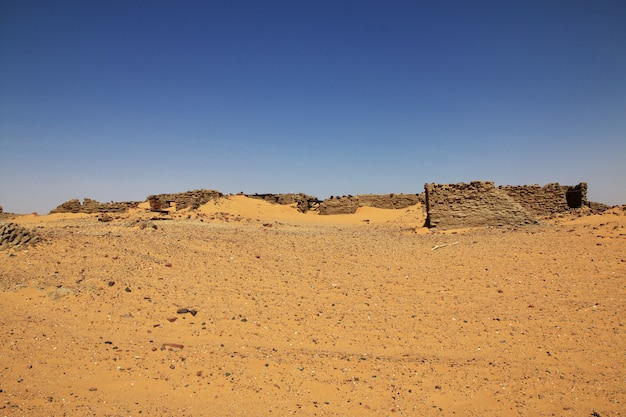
(189, 199)
(304, 202)
(390, 201)
(339, 205)
(344, 204)
(350, 204)
(90, 206)
(477, 204)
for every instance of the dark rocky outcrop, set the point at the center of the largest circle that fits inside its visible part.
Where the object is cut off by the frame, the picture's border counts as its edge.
(12, 235)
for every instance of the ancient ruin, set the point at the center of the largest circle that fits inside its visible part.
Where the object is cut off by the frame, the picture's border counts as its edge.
(189, 199)
(304, 202)
(549, 199)
(342, 204)
(481, 203)
(448, 206)
(90, 206)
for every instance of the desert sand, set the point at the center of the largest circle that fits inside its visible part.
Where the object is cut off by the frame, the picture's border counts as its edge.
(245, 308)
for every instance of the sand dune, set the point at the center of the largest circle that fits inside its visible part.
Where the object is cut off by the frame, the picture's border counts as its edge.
(247, 308)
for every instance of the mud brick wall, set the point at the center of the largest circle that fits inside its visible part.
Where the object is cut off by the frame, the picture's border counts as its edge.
(547, 200)
(475, 204)
(189, 199)
(540, 201)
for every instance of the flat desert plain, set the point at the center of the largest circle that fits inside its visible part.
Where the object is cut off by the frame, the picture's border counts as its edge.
(243, 308)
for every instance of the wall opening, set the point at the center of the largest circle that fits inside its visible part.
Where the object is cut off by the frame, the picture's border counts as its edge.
(574, 197)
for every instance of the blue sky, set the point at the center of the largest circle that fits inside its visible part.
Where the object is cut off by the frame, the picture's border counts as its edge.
(116, 100)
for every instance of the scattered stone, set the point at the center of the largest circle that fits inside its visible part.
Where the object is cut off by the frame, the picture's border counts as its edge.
(186, 310)
(93, 389)
(105, 218)
(127, 289)
(171, 345)
(60, 292)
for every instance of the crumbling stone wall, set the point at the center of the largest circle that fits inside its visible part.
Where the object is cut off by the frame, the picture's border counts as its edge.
(350, 204)
(389, 201)
(92, 206)
(189, 199)
(304, 202)
(476, 204)
(344, 204)
(339, 205)
(547, 200)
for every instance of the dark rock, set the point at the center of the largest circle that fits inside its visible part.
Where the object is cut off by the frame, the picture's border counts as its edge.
(13, 235)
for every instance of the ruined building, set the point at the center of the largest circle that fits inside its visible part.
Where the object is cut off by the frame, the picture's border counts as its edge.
(481, 203)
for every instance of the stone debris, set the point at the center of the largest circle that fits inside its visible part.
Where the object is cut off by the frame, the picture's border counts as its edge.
(13, 235)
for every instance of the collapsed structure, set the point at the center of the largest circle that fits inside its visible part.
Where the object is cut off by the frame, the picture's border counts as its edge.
(189, 199)
(448, 206)
(481, 203)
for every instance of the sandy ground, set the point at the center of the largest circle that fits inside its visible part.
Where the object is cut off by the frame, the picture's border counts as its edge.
(293, 314)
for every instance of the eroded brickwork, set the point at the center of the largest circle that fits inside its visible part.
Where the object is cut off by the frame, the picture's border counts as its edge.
(481, 203)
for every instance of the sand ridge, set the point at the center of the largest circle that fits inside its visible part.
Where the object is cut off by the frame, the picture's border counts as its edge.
(308, 316)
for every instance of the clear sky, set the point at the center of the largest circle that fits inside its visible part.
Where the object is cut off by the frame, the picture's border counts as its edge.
(116, 100)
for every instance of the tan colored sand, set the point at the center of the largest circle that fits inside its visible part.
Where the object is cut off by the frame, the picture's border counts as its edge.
(312, 315)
